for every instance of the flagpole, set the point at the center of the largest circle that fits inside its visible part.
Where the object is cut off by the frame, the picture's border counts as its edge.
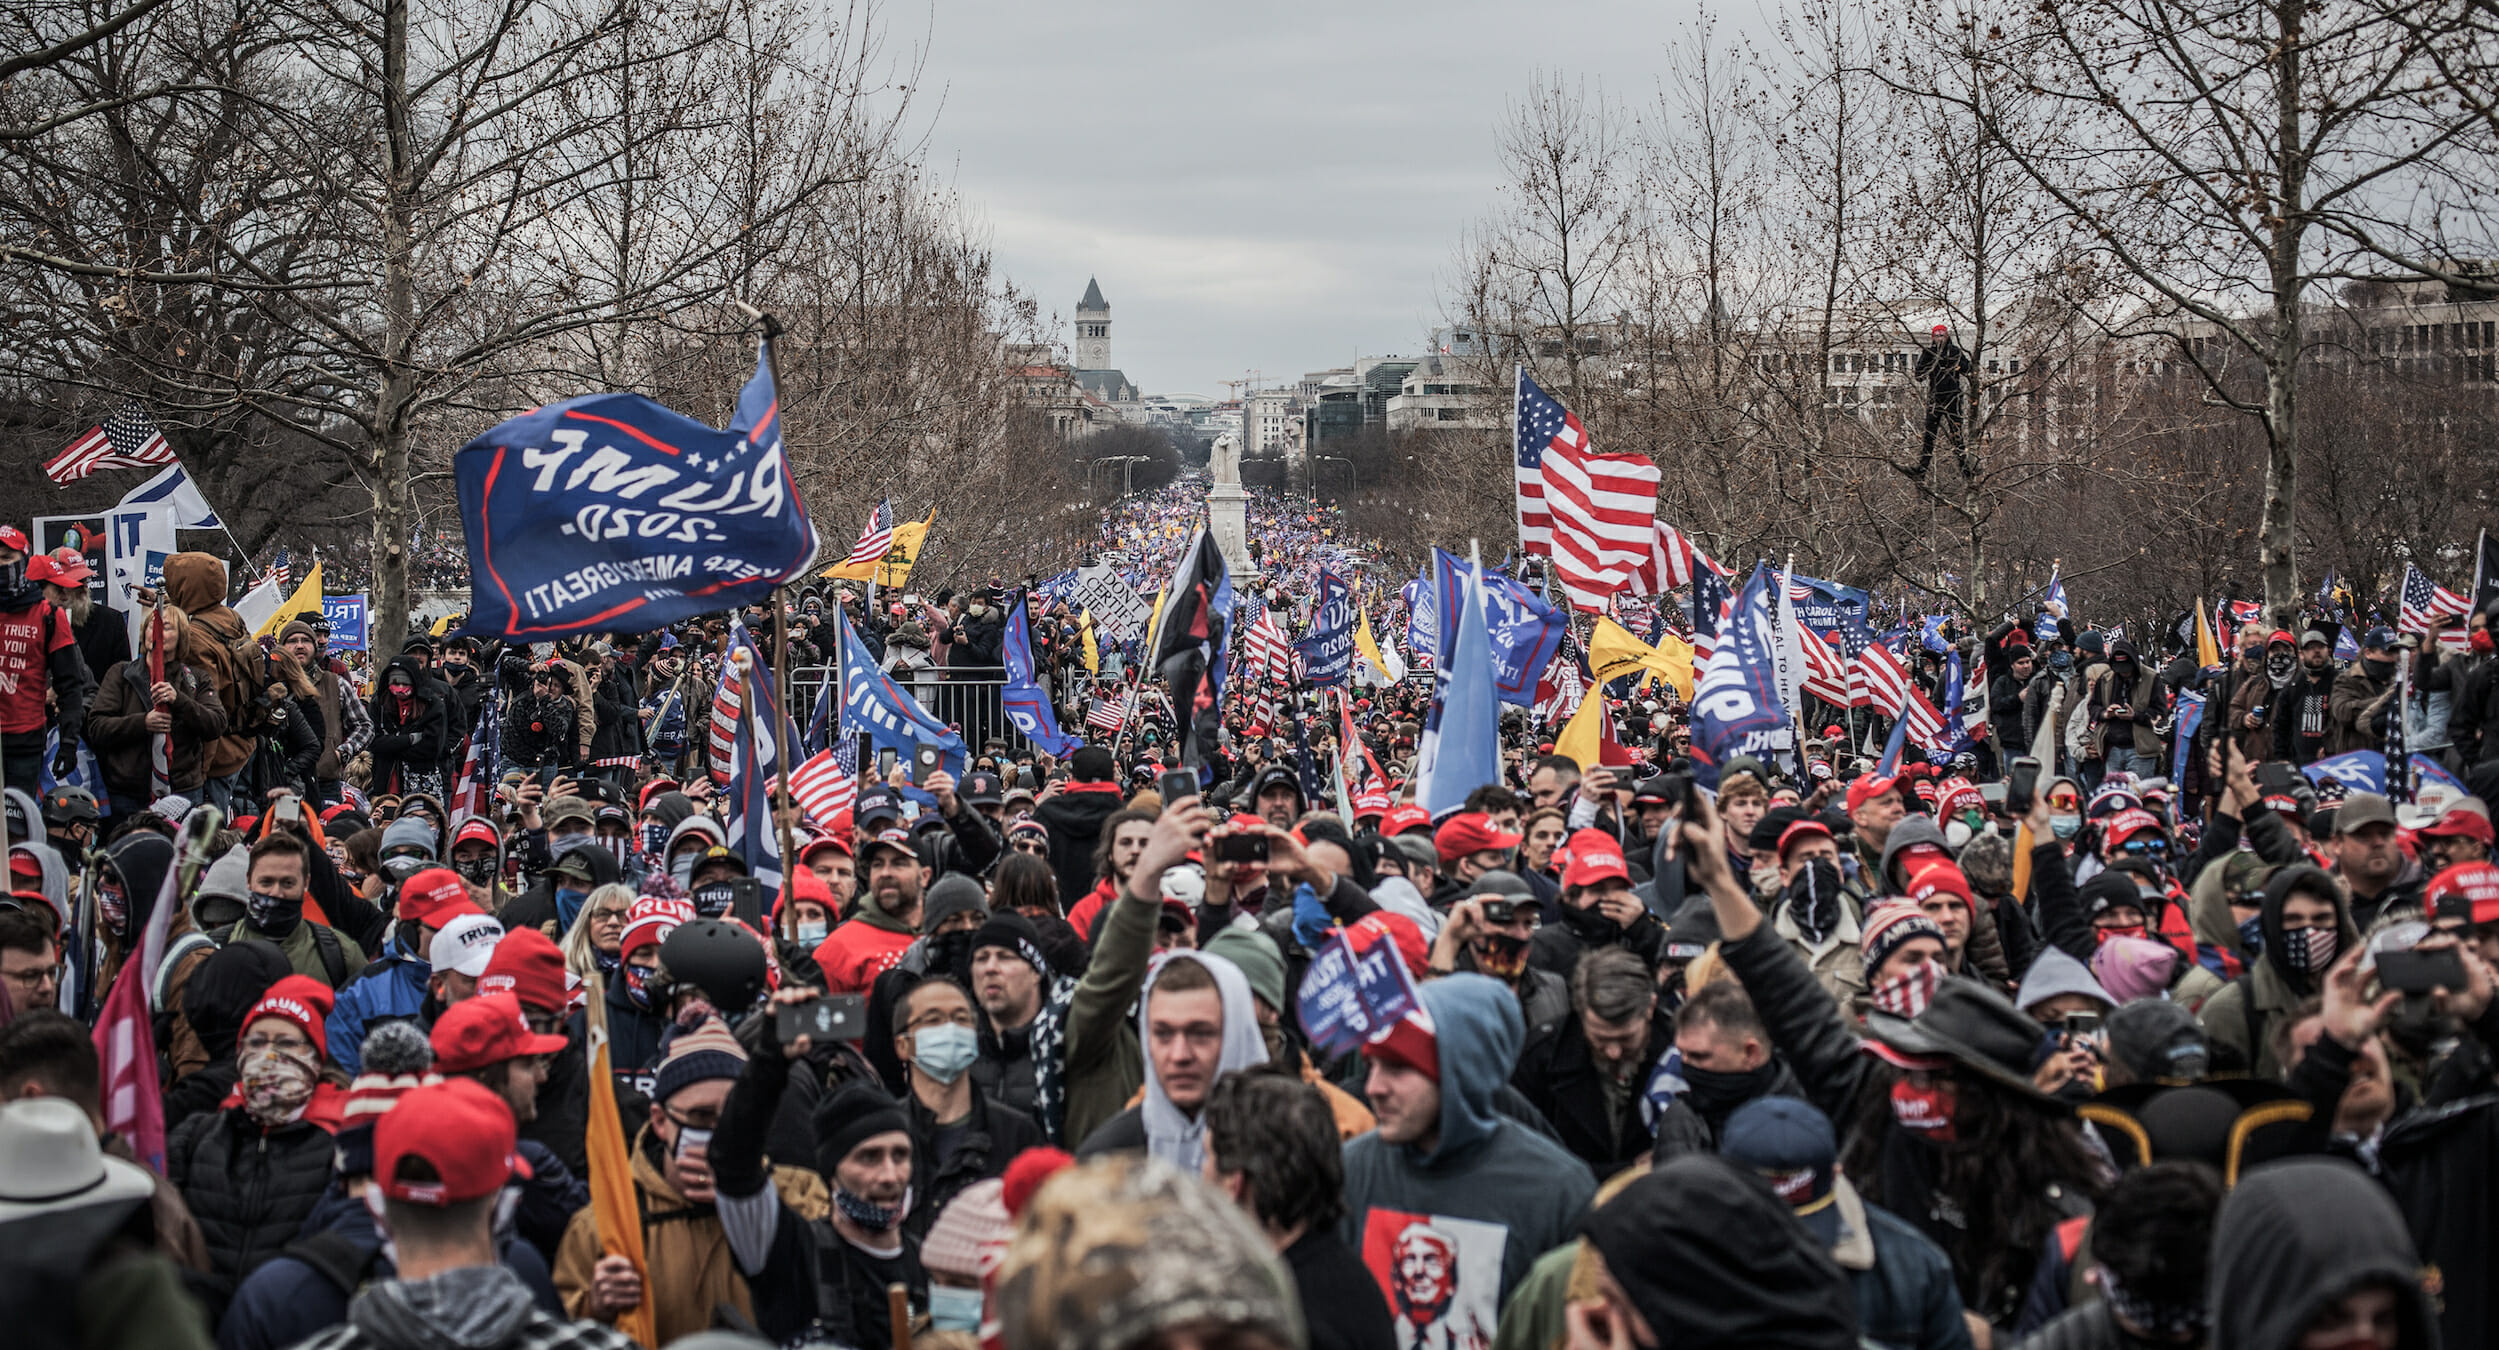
(781, 622)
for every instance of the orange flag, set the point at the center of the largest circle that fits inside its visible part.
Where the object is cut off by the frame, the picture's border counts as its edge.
(612, 1205)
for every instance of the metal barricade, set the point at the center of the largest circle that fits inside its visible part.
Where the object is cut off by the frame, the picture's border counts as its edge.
(975, 707)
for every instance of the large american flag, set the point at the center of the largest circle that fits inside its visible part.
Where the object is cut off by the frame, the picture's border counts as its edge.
(1104, 716)
(473, 795)
(1594, 515)
(827, 784)
(1263, 648)
(1826, 674)
(2424, 601)
(878, 538)
(728, 702)
(1672, 562)
(1879, 679)
(127, 440)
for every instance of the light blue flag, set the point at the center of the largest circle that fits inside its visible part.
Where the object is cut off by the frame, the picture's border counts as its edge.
(1465, 739)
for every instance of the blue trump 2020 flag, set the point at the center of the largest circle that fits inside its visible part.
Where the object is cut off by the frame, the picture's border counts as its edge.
(610, 513)
(1735, 707)
(1461, 748)
(1521, 631)
(1026, 705)
(874, 704)
(1328, 653)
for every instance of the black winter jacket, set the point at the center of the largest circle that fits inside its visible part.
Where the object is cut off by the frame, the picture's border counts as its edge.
(410, 744)
(250, 1189)
(992, 1137)
(1559, 1073)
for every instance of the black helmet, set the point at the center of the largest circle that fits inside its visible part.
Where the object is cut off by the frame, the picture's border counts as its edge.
(724, 960)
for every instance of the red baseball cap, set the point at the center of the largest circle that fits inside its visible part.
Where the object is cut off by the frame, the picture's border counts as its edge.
(435, 897)
(1594, 856)
(528, 966)
(1469, 832)
(1941, 878)
(1865, 787)
(70, 566)
(13, 537)
(1800, 829)
(1400, 819)
(475, 830)
(837, 840)
(2467, 891)
(487, 1029)
(2130, 822)
(2467, 819)
(461, 1129)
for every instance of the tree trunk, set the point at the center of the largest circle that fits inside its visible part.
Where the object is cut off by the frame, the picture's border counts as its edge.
(2277, 539)
(394, 391)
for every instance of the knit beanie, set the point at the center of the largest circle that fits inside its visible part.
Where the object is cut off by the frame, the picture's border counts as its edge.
(299, 999)
(398, 1059)
(1016, 934)
(854, 1113)
(707, 1053)
(1887, 926)
(951, 894)
(970, 1236)
(1257, 956)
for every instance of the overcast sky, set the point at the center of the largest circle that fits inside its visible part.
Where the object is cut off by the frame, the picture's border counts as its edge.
(1273, 187)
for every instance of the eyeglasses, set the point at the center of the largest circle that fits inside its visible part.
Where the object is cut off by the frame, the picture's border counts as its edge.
(961, 1017)
(2064, 802)
(35, 977)
(610, 914)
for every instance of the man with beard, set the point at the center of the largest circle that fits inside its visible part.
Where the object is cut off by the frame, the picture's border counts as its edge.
(1122, 835)
(2364, 696)
(2300, 733)
(103, 635)
(2127, 700)
(1489, 932)
(346, 724)
(38, 656)
(873, 939)
(1585, 1072)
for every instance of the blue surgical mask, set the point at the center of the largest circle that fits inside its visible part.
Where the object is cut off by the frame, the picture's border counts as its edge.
(953, 1309)
(2066, 827)
(943, 1052)
(568, 906)
(812, 932)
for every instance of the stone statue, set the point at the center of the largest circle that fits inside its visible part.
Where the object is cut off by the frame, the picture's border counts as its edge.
(1225, 459)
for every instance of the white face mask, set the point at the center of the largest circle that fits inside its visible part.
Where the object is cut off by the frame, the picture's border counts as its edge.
(954, 1309)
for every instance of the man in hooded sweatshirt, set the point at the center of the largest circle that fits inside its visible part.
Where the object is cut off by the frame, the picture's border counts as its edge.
(2306, 925)
(2126, 701)
(1074, 812)
(2310, 1254)
(1448, 1201)
(195, 583)
(1197, 1024)
(38, 656)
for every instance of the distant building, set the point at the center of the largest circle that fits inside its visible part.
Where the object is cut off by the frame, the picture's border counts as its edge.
(1441, 394)
(1271, 422)
(1092, 350)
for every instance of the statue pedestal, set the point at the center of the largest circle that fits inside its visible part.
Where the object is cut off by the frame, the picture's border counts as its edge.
(1227, 515)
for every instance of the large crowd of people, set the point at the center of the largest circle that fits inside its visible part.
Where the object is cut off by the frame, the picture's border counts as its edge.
(474, 1026)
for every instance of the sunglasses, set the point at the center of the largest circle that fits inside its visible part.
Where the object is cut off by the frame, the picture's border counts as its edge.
(1028, 846)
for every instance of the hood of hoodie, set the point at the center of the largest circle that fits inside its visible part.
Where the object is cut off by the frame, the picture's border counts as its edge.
(225, 987)
(695, 824)
(422, 686)
(1398, 896)
(228, 881)
(2298, 1235)
(2306, 880)
(2208, 912)
(195, 583)
(140, 860)
(672, 808)
(1477, 1030)
(410, 832)
(2054, 973)
(1171, 1134)
(1914, 828)
(472, 1308)
(55, 872)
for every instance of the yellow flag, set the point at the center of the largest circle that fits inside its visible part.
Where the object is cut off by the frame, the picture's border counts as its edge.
(614, 1212)
(1583, 737)
(894, 571)
(1093, 650)
(305, 600)
(441, 625)
(2207, 651)
(1613, 653)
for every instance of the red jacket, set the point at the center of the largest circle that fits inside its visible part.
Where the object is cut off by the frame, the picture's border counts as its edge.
(854, 954)
(1090, 908)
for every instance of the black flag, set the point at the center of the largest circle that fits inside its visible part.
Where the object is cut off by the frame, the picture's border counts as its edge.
(1189, 640)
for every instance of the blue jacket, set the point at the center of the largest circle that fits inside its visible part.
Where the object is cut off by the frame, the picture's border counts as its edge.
(289, 1299)
(1908, 1300)
(392, 988)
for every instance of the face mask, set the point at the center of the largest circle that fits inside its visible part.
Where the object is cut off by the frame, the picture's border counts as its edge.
(1813, 899)
(560, 844)
(681, 869)
(618, 846)
(13, 575)
(1926, 1112)
(2066, 827)
(476, 871)
(2279, 668)
(951, 953)
(568, 904)
(2483, 644)
(2309, 950)
(605, 962)
(944, 1052)
(654, 838)
(275, 1085)
(638, 985)
(2252, 934)
(868, 1214)
(271, 914)
(116, 908)
(2060, 661)
(2379, 671)
(1499, 954)
(1714, 1092)
(1908, 993)
(1592, 926)
(811, 931)
(954, 1309)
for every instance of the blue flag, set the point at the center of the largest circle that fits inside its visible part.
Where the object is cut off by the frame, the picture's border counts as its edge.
(1709, 595)
(1889, 764)
(1461, 748)
(1955, 732)
(874, 704)
(1348, 998)
(1422, 619)
(1735, 707)
(2365, 771)
(762, 738)
(1931, 634)
(1522, 632)
(819, 733)
(1025, 703)
(1328, 653)
(2190, 717)
(610, 513)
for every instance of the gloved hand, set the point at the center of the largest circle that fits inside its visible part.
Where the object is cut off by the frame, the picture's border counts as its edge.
(1311, 920)
(65, 759)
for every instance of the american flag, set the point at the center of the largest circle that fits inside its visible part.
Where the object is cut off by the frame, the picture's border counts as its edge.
(1878, 679)
(125, 1033)
(160, 744)
(727, 700)
(827, 784)
(1826, 674)
(278, 568)
(878, 538)
(2424, 601)
(1263, 648)
(1594, 515)
(474, 794)
(1673, 560)
(127, 440)
(1103, 715)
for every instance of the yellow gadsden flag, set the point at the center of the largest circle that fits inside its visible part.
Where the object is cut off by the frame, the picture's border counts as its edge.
(1093, 649)
(305, 600)
(614, 1212)
(2207, 651)
(1613, 653)
(1369, 646)
(895, 570)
